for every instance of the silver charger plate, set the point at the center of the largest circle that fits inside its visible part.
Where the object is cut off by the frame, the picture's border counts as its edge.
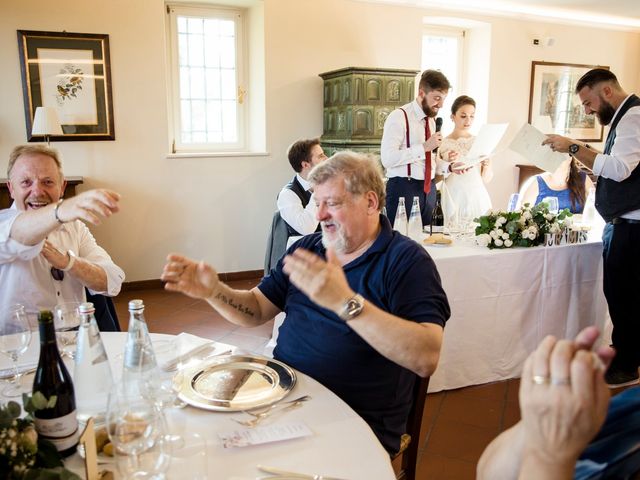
(236, 382)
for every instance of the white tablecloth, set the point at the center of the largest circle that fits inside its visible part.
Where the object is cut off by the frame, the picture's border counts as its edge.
(503, 302)
(342, 444)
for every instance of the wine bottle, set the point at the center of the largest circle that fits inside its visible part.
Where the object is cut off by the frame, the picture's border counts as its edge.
(437, 217)
(58, 423)
(139, 357)
(92, 373)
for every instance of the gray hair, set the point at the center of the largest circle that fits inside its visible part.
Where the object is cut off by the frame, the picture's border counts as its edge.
(30, 150)
(361, 173)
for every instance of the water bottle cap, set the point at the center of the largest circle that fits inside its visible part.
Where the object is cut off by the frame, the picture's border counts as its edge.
(86, 307)
(136, 304)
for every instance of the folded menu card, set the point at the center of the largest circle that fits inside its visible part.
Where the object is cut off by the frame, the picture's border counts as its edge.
(258, 435)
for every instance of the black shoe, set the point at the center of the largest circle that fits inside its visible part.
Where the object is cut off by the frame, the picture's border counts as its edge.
(620, 378)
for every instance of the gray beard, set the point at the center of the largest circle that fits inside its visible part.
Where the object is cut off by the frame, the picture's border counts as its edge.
(339, 245)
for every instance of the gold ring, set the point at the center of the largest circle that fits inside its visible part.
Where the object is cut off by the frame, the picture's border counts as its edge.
(560, 381)
(540, 379)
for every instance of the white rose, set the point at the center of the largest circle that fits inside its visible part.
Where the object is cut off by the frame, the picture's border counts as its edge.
(501, 220)
(498, 242)
(526, 215)
(505, 236)
(508, 243)
(483, 239)
(499, 232)
(493, 234)
(549, 216)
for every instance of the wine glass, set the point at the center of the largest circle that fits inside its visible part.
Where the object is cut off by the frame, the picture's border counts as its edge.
(15, 335)
(67, 320)
(136, 429)
(552, 203)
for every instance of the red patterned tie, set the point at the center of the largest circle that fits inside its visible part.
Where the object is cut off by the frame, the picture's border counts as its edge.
(427, 158)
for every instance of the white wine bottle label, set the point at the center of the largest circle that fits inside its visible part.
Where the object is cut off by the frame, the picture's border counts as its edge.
(60, 427)
(437, 229)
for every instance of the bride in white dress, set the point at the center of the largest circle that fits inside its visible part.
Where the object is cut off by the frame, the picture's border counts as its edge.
(464, 197)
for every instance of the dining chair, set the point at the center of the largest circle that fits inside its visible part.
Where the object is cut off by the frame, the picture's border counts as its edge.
(405, 462)
(106, 316)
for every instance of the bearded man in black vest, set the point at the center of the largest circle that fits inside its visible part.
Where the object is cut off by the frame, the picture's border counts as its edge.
(294, 201)
(618, 201)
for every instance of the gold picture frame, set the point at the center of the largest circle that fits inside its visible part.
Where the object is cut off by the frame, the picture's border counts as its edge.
(70, 72)
(554, 107)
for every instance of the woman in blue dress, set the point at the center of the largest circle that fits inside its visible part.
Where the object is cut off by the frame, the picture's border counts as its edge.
(568, 184)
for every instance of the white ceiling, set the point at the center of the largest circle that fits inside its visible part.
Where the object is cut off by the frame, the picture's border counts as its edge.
(609, 13)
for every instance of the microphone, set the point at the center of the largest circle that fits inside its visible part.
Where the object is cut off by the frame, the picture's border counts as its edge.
(438, 128)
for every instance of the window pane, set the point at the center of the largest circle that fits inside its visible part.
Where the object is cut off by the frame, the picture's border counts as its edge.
(184, 82)
(194, 25)
(182, 24)
(183, 50)
(185, 107)
(228, 52)
(214, 118)
(196, 50)
(229, 126)
(227, 28)
(198, 116)
(228, 83)
(213, 83)
(197, 83)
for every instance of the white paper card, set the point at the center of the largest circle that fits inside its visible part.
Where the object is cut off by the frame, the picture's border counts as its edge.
(256, 436)
(528, 143)
(485, 143)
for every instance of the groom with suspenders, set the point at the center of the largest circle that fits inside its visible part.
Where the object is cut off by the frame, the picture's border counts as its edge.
(409, 138)
(618, 201)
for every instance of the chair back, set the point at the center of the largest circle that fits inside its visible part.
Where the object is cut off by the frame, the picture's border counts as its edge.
(409, 461)
(106, 316)
(276, 243)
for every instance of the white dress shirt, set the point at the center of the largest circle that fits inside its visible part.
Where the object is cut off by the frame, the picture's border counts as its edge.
(302, 219)
(395, 155)
(25, 275)
(625, 154)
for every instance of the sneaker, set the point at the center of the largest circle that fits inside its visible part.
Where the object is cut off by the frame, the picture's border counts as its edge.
(620, 378)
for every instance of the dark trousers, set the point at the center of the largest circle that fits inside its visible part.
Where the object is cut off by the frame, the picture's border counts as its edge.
(408, 188)
(621, 266)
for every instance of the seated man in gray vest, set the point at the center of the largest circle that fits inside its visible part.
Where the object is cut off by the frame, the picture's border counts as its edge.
(294, 201)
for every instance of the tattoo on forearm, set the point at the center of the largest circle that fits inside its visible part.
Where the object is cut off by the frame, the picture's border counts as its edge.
(239, 307)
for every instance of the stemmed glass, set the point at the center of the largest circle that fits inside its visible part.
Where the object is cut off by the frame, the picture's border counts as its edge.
(67, 321)
(15, 335)
(552, 203)
(136, 429)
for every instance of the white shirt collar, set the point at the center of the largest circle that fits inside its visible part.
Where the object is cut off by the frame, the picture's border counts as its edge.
(418, 110)
(618, 109)
(305, 184)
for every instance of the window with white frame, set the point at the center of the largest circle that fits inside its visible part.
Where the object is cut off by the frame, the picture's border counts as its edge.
(207, 84)
(442, 49)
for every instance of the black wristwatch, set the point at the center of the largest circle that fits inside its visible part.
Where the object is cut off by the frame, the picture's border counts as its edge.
(352, 308)
(573, 148)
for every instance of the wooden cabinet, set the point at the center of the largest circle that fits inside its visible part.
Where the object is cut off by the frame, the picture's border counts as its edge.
(6, 200)
(357, 102)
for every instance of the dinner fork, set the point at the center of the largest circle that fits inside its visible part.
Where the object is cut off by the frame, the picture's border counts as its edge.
(276, 407)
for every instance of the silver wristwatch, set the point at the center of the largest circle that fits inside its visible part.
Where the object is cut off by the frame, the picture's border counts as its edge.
(352, 308)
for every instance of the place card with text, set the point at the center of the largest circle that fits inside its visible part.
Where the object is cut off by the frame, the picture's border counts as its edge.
(256, 436)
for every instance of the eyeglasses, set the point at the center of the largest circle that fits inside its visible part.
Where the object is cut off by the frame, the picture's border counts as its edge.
(57, 274)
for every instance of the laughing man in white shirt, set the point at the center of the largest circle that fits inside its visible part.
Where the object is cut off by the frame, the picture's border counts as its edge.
(47, 255)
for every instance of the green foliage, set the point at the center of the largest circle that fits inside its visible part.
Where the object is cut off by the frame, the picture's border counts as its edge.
(23, 454)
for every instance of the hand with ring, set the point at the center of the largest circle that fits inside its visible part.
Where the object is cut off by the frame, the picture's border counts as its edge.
(563, 400)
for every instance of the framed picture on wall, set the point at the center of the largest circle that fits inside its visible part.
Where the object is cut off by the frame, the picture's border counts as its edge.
(554, 107)
(69, 72)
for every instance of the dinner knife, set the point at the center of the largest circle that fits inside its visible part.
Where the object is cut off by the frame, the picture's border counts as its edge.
(198, 351)
(286, 473)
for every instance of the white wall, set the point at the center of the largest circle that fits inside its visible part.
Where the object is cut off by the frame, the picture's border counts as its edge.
(219, 209)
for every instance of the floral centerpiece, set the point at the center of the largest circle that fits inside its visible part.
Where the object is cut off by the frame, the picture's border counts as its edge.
(526, 227)
(23, 454)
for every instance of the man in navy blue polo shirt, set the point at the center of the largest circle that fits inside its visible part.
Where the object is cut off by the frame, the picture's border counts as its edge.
(365, 308)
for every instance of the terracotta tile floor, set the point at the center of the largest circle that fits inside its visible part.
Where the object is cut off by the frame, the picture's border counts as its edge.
(457, 424)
